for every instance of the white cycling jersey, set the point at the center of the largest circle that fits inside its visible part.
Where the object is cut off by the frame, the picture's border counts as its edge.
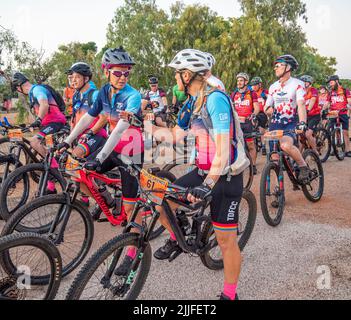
(284, 98)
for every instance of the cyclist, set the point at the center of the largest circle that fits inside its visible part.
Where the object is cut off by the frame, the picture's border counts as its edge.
(313, 110)
(324, 103)
(340, 98)
(246, 104)
(286, 105)
(118, 103)
(157, 98)
(50, 119)
(179, 97)
(68, 94)
(214, 153)
(262, 119)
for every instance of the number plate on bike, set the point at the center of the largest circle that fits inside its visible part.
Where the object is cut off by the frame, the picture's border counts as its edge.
(49, 141)
(274, 135)
(149, 182)
(72, 166)
(15, 135)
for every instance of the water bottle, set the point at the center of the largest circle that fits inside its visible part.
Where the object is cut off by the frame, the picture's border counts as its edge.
(106, 195)
(118, 203)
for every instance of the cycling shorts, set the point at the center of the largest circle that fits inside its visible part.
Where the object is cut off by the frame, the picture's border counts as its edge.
(226, 198)
(51, 128)
(313, 122)
(130, 186)
(344, 120)
(93, 144)
(247, 128)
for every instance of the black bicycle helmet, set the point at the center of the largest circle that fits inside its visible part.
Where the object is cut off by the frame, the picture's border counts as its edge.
(116, 57)
(17, 79)
(82, 68)
(256, 81)
(288, 59)
(153, 80)
(333, 78)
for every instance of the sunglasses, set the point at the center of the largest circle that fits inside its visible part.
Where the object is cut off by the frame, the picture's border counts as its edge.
(278, 65)
(119, 74)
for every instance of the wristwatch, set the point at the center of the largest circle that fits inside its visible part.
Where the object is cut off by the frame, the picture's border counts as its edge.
(209, 182)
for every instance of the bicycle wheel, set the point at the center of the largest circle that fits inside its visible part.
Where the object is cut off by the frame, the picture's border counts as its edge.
(338, 145)
(324, 144)
(313, 191)
(20, 188)
(213, 259)
(73, 240)
(31, 255)
(97, 281)
(272, 196)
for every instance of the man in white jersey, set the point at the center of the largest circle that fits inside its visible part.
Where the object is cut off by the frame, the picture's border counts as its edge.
(286, 105)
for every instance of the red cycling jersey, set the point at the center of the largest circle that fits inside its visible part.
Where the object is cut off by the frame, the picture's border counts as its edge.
(316, 109)
(244, 102)
(261, 101)
(323, 99)
(338, 99)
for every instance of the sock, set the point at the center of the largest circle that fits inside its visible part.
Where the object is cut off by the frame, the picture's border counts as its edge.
(173, 237)
(131, 253)
(85, 199)
(230, 290)
(51, 186)
(54, 164)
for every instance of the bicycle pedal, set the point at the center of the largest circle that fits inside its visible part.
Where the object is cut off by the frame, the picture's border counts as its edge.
(102, 220)
(296, 188)
(175, 254)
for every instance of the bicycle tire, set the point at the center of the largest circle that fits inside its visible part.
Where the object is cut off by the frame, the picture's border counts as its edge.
(323, 137)
(14, 177)
(339, 155)
(319, 194)
(217, 264)
(281, 197)
(53, 255)
(249, 171)
(14, 224)
(96, 260)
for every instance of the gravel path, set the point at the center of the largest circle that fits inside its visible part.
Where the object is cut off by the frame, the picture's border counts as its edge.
(279, 263)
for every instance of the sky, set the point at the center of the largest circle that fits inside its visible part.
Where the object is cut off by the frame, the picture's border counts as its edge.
(47, 24)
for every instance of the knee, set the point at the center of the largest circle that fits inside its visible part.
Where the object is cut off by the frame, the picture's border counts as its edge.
(35, 143)
(285, 146)
(226, 243)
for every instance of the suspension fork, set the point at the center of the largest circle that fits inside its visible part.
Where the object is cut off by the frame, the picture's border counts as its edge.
(44, 178)
(64, 213)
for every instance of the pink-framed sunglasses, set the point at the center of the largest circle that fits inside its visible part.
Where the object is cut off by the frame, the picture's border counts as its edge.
(119, 74)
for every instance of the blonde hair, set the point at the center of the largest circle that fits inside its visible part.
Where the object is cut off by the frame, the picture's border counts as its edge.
(205, 90)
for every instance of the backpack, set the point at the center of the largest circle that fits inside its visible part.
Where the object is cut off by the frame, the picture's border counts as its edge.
(241, 162)
(57, 97)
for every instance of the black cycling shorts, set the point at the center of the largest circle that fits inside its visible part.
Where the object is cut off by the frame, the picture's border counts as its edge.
(93, 144)
(247, 128)
(51, 128)
(313, 122)
(130, 186)
(225, 202)
(344, 120)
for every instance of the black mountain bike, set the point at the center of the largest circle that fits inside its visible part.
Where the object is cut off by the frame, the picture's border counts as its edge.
(29, 182)
(272, 190)
(30, 268)
(192, 227)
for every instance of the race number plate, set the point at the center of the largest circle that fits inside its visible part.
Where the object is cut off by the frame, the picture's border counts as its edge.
(149, 182)
(72, 166)
(15, 135)
(49, 141)
(274, 135)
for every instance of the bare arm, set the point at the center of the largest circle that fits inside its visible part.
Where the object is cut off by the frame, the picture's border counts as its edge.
(302, 110)
(43, 108)
(312, 102)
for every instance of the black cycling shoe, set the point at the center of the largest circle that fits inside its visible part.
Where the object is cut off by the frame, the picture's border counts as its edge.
(224, 297)
(304, 174)
(122, 270)
(166, 251)
(264, 151)
(254, 170)
(348, 154)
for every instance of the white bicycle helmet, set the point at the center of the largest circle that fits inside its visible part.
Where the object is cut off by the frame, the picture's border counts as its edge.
(193, 60)
(244, 76)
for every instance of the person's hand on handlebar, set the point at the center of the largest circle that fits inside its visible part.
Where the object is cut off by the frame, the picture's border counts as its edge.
(199, 193)
(93, 165)
(301, 127)
(62, 147)
(36, 123)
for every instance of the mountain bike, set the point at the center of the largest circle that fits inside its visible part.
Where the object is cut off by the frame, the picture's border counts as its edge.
(30, 268)
(64, 220)
(29, 182)
(192, 227)
(337, 134)
(272, 190)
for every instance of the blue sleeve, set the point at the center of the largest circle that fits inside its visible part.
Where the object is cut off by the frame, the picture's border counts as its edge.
(40, 93)
(95, 95)
(97, 106)
(219, 110)
(134, 103)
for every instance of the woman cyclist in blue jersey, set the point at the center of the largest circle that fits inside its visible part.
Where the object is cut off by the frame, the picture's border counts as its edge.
(215, 152)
